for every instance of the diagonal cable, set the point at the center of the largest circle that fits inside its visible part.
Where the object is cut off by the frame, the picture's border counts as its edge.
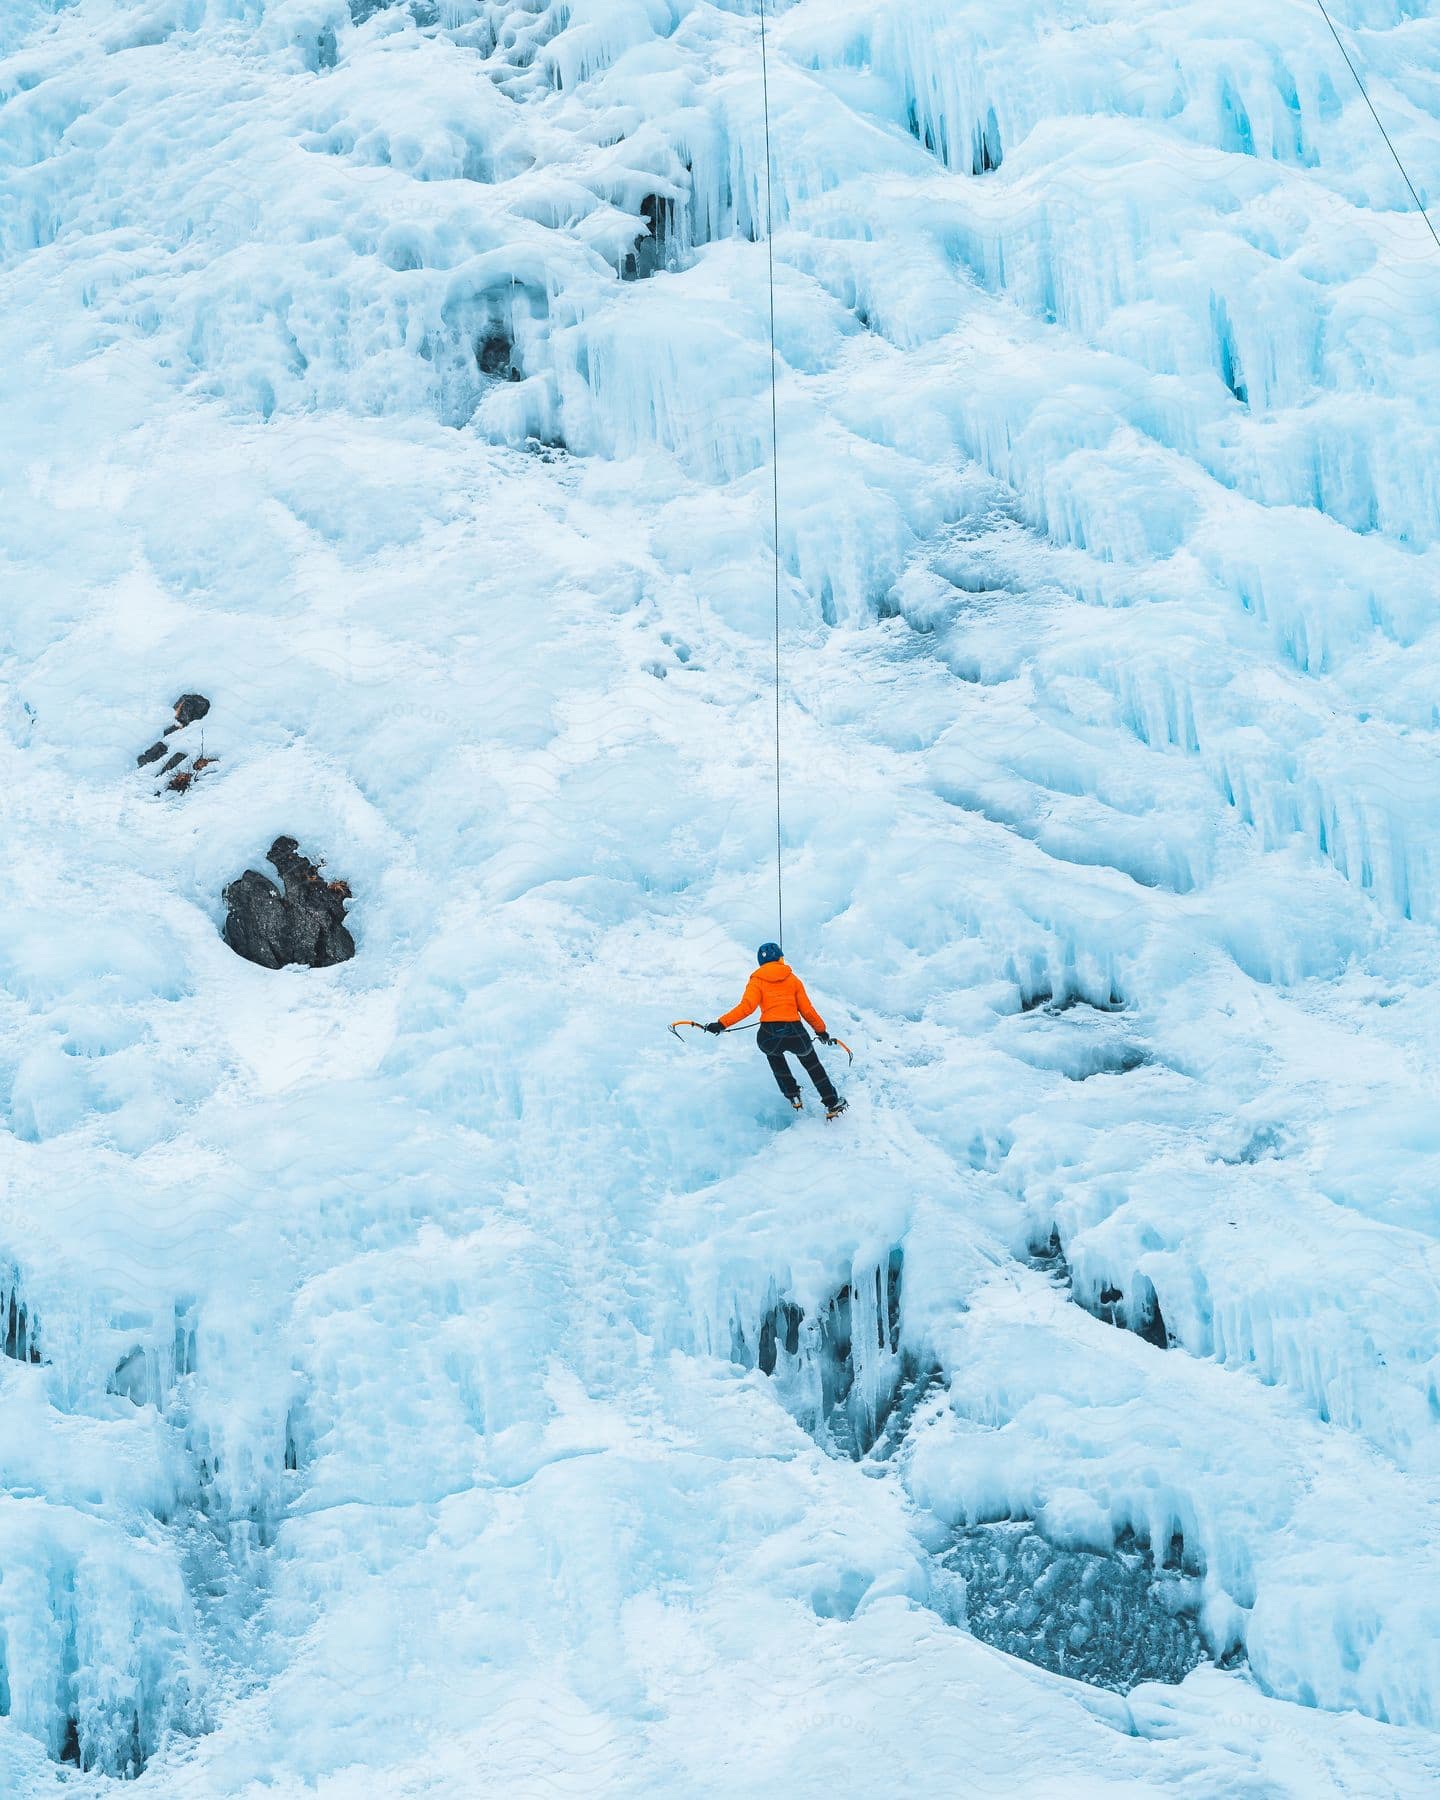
(1365, 96)
(774, 470)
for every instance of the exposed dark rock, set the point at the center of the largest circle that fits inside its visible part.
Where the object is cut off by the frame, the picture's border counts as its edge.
(190, 707)
(303, 924)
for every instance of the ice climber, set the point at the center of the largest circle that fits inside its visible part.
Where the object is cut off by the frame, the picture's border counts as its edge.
(780, 994)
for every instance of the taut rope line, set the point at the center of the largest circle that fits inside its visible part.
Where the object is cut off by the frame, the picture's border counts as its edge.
(1365, 96)
(774, 471)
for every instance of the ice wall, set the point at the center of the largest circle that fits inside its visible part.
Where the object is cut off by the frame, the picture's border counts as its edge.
(429, 1368)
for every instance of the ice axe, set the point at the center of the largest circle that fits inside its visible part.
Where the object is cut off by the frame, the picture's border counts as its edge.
(698, 1025)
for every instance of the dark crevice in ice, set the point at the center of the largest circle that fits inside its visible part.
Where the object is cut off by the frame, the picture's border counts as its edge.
(19, 1327)
(107, 1714)
(1083, 1045)
(299, 1435)
(1039, 989)
(147, 1374)
(1137, 1310)
(844, 1391)
(1048, 1256)
(1236, 133)
(651, 250)
(495, 356)
(983, 153)
(986, 150)
(1047, 1000)
(105, 1721)
(780, 1325)
(1226, 355)
(480, 341)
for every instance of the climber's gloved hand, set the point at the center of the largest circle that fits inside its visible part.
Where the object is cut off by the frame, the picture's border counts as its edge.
(825, 1037)
(715, 1026)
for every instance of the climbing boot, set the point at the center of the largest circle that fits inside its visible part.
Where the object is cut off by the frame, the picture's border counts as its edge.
(796, 1102)
(834, 1112)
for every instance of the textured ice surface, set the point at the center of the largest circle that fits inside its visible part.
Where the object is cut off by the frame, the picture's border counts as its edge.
(1103, 1617)
(446, 1382)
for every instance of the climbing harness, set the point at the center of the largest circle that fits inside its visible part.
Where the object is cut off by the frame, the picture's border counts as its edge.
(1365, 96)
(697, 1025)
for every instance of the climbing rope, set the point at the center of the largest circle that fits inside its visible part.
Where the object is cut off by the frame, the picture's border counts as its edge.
(774, 404)
(774, 472)
(1364, 95)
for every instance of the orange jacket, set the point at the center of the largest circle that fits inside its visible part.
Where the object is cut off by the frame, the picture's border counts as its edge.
(780, 994)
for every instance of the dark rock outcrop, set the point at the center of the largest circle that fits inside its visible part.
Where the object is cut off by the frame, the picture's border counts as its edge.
(495, 355)
(190, 707)
(303, 924)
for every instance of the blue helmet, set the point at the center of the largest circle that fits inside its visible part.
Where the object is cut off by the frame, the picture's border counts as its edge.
(768, 953)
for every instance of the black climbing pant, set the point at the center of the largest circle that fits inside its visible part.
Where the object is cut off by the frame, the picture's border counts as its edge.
(791, 1037)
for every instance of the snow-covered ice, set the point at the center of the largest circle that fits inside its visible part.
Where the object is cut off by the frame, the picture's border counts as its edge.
(423, 1376)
